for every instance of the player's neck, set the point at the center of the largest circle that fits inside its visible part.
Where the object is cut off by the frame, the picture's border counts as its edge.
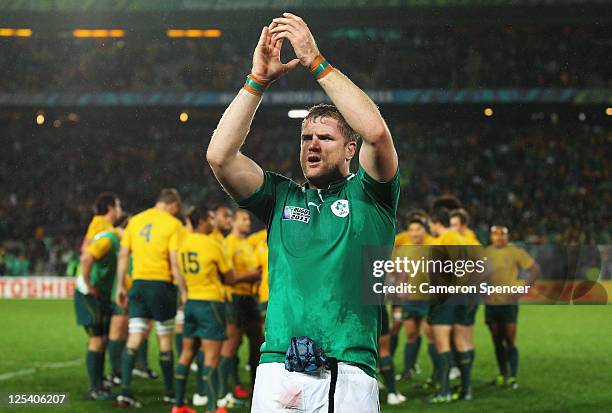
(238, 234)
(325, 182)
(161, 206)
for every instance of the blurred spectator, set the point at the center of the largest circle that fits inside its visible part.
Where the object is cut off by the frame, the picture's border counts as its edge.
(550, 181)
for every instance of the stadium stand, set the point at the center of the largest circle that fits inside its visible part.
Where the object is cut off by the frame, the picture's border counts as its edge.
(470, 56)
(551, 181)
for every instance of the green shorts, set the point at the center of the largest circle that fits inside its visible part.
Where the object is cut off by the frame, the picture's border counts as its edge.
(505, 314)
(415, 311)
(230, 312)
(245, 310)
(465, 314)
(263, 309)
(153, 300)
(441, 314)
(204, 320)
(93, 313)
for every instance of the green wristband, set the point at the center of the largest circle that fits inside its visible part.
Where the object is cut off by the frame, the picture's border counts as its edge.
(320, 68)
(255, 85)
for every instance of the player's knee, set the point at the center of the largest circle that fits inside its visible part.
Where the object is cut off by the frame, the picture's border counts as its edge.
(412, 334)
(227, 349)
(212, 359)
(187, 355)
(118, 328)
(138, 325)
(179, 319)
(95, 343)
(164, 327)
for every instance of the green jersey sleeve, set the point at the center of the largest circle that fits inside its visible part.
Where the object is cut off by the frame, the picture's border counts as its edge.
(385, 194)
(262, 201)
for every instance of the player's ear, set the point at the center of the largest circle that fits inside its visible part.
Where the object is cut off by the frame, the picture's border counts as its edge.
(350, 149)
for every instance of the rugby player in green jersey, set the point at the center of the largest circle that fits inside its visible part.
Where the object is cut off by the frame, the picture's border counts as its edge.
(316, 231)
(92, 298)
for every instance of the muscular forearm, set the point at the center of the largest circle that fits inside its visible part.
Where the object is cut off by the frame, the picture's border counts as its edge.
(122, 268)
(178, 276)
(250, 276)
(232, 129)
(229, 277)
(357, 108)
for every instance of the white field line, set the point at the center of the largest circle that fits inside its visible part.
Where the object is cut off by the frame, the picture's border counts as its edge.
(45, 366)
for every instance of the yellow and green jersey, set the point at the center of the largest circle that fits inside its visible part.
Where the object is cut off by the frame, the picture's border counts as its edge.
(203, 261)
(414, 253)
(98, 224)
(257, 237)
(104, 247)
(217, 236)
(506, 263)
(259, 241)
(403, 238)
(151, 236)
(471, 237)
(451, 246)
(244, 259)
(450, 237)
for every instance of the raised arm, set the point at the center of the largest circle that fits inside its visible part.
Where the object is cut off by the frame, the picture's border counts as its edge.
(377, 156)
(240, 175)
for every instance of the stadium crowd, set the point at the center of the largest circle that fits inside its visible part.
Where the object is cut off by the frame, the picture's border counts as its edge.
(550, 183)
(435, 57)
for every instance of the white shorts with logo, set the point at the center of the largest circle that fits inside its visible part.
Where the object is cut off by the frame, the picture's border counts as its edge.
(278, 390)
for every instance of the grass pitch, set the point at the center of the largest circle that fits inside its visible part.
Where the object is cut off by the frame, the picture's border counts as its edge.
(565, 362)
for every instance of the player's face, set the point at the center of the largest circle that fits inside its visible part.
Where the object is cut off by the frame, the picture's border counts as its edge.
(173, 208)
(242, 222)
(208, 223)
(324, 151)
(434, 227)
(223, 219)
(456, 225)
(499, 239)
(117, 210)
(416, 233)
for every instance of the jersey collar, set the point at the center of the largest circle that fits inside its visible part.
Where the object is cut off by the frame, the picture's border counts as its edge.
(335, 185)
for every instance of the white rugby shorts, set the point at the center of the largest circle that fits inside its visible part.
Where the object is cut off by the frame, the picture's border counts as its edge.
(278, 390)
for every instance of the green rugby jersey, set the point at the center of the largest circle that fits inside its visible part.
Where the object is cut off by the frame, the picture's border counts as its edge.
(104, 269)
(315, 243)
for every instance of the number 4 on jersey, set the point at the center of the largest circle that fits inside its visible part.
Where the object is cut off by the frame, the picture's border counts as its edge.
(146, 232)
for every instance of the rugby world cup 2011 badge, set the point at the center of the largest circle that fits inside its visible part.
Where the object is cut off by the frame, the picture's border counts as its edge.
(293, 213)
(340, 208)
